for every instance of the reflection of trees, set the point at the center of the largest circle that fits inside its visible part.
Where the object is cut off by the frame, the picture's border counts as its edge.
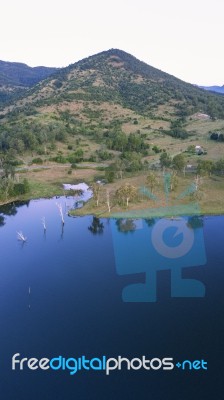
(96, 226)
(22, 203)
(150, 221)
(126, 225)
(2, 220)
(11, 209)
(195, 222)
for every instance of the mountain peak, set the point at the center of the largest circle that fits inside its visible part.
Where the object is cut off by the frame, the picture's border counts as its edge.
(115, 76)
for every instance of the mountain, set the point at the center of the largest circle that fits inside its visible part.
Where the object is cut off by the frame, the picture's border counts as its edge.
(18, 74)
(101, 96)
(217, 89)
(118, 77)
(15, 77)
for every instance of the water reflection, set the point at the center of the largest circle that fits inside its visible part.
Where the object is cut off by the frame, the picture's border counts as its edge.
(158, 245)
(125, 225)
(141, 246)
(62, 232)
(96, 226)
(12, 208)
(55, 293)
(195, 222)
(9, 209)
(150, 221)
(2, 220)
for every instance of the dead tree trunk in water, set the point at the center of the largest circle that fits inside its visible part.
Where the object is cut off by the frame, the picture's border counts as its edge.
(61, 213)
(44, 223)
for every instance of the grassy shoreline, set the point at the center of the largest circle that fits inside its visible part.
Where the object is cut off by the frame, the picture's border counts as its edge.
(125, 213)
(90, 209)
(211, 203)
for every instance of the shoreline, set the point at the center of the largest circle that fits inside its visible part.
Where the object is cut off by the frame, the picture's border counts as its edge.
(211, 201)
(118, 212)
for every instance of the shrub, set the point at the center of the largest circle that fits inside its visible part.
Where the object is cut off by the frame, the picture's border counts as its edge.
(37, 160)
(109, 175)
(20, 188)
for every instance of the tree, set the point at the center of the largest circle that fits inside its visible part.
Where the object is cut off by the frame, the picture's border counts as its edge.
(191, 149)
(109, 174)
(96, 188)
(126, 193)
(119, 166)
(178, 162)
(205, 167)
(152, 181)
(7, 176)
(117, 141)
(132, 160)
(8, 169)
(218, 166)
(214, 136)
(108, 201)
(197, 182)
(173, 181)
(165, 160)
(221, 137)
(6, 187)
(156, 149)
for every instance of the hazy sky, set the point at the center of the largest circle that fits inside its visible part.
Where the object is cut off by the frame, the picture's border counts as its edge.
(183, 38)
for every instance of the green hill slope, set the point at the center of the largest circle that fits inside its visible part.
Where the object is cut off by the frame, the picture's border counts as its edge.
(119, 77)
(14, 77)
(103, 95)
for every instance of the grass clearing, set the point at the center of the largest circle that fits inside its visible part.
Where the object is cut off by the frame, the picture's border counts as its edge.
(212, 201)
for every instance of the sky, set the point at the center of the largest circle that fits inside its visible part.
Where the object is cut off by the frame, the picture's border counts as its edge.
(182, 38)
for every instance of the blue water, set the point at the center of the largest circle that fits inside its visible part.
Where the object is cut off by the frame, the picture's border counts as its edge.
(63, 293)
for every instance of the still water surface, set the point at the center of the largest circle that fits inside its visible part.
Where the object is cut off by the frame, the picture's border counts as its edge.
(62, 292)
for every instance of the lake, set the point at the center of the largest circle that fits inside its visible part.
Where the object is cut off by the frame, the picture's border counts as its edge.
(110, 287)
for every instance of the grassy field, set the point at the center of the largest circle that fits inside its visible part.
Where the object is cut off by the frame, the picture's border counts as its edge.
(47, 179)
(48, 182)
(210, 200)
